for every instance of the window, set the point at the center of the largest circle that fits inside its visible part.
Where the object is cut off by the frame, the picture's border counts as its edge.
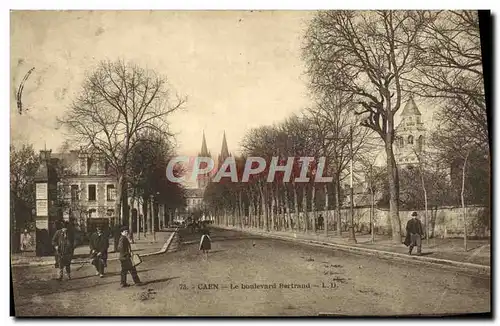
(75, 196)
(410, 140)
(110, 192)
(92, 192)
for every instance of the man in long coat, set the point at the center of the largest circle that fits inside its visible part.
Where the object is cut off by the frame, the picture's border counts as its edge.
(414, 233)
(125, 257)
(64, 251)
(99, 244)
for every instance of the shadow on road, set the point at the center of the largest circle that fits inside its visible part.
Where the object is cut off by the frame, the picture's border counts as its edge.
(139, 271)
(161, 280)
(426, 253)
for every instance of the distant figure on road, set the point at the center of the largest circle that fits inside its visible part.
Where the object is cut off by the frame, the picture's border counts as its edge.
(126, 259)
(205, 241)
(64, 251)
(320, 222)
(99, 244)
(414, 233)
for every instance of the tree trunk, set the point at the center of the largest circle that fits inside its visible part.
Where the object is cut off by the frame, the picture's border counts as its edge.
(250, 209)
(304, 208)
(150, 216)
(264, 208)
(118, 200)
(288, 225)
(337, 206)
(130, 221)
(462, 195)
(145, 209)
(279, 209)
(426, 214)
(138, 218)
(313, 206)
(273, 206)
(392, 171)
(258, 209)
(372, 216)
(240, 210)
(327, 212)
(296, 206)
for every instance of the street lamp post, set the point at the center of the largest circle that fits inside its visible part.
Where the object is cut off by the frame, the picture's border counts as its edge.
(151, 217)
(157, 216)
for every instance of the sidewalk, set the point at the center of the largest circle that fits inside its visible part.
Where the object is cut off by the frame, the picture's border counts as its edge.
(479, 251)
(143, 247)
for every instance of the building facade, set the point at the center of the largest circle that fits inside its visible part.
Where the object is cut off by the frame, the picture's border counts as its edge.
(86, 189)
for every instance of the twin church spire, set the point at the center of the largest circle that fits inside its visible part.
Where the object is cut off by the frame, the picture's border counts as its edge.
(224, 153)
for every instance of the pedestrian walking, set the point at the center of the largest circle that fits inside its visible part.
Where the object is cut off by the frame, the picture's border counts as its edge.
(99, 244)
(126, 259)
(320, 222)
(64, 251)
(414, 233)
(205, 241)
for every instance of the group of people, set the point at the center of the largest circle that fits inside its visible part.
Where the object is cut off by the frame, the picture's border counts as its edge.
(64, 245)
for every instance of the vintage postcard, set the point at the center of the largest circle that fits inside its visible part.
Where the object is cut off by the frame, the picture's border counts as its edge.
(250, 163)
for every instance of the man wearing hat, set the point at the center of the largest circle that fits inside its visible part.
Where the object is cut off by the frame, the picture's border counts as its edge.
(126, 258)
(99, 244)
(63, 245)
(414, 233)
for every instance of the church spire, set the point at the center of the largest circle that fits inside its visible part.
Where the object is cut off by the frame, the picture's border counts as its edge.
(224, 152)
(204, 151)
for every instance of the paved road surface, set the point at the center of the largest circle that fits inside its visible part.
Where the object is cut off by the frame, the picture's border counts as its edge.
(184, 283)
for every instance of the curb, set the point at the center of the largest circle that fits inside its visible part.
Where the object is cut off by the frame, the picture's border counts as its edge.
(78, 262)
(375, 252)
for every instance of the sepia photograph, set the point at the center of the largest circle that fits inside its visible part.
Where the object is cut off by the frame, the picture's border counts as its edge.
(250, 163)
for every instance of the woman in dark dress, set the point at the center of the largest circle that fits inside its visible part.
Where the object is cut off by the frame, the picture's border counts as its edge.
(205, 241)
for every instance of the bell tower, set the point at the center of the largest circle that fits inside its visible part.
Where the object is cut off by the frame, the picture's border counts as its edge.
(409, 140)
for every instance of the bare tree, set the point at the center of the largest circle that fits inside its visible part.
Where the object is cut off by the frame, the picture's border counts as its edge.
(24, 163)
(119, 101)
(451, 72)
(367, 55)
(332, 118)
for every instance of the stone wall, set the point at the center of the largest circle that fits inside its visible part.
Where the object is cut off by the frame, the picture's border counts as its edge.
(443, 222)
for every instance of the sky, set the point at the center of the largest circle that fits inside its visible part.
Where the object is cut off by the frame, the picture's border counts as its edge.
(238, 69)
